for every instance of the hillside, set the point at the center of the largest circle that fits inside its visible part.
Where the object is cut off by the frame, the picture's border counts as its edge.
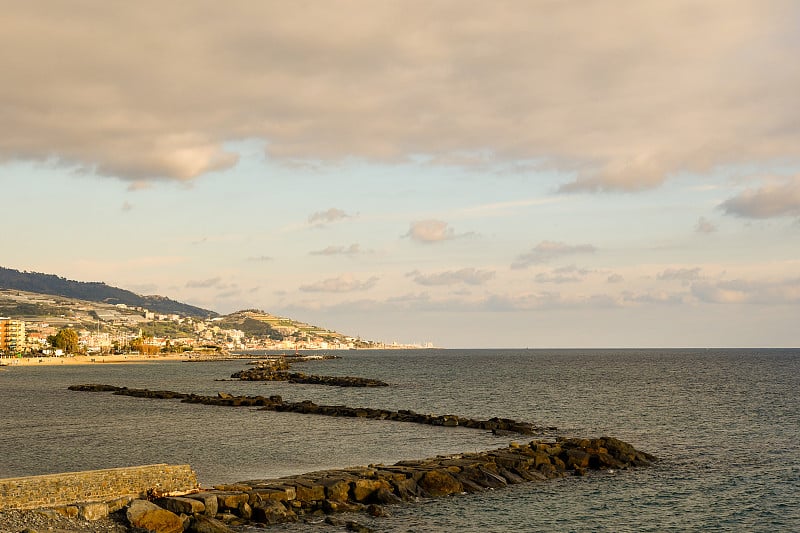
(94, 291)
(257, 323)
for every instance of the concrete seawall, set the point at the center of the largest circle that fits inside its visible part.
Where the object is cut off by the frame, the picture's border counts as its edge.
(94, 485)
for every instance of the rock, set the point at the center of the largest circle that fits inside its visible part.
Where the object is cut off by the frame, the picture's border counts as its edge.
(440, 483)
(309, 491)
(363, 488)
(207, 524)
(576, 459)
(376, 510)
(273, 512)
(93, 510)
(118, 503)
(209, 502)
(180, 505)
(70, 511)
(245, 511)
(231, 500)
(337, 489)
(151, 517)
(385, 496)
(235, 487)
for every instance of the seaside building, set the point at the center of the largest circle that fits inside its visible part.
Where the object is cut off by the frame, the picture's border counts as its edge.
(12, 335)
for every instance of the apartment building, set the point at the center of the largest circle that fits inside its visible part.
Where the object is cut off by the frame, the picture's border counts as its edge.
(12, 335)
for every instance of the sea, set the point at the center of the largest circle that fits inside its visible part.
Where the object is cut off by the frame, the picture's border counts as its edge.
(725, 424)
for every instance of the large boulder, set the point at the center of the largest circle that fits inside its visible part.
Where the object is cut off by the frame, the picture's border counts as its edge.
(209, 502)
(180, 505)
(440, 483)
(152, 518)
(364, 488)
(272, 512)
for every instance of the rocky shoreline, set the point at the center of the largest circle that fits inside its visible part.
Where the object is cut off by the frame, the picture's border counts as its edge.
(277, 369)
(276, 403)
(327, 494)
(264, 373)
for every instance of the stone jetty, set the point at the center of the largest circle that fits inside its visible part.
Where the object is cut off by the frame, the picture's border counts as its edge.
(266, 373)
(276, 403)
(278, 370)
(371, 489)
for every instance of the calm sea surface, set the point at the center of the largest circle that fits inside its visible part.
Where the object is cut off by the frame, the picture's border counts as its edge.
(726, 424)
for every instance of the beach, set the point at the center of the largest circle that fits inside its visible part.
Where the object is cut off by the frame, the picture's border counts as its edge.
(92, 359)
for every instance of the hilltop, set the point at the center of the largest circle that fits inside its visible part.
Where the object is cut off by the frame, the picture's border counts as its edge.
(48, 301)
(94, 291)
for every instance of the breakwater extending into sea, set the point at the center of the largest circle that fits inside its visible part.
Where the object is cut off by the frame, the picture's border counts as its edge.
(723, 423)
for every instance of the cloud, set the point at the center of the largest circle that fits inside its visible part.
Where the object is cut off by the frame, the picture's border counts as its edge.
(679, 274)
(567, 274)
(749, 291)
(657, 297)
(705, 226)
(260, 258)
(615, 278)
(548, 250)
(468, 276)
(341, 284)
(326, 217)
(126, 206)
(204, 283)
(772, 200)
(620, 98)
(430, 231)
(353, 249)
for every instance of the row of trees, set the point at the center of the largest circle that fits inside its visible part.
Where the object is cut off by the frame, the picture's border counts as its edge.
(68, 340)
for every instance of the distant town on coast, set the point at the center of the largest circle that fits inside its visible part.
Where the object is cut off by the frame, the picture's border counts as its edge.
(51, 323)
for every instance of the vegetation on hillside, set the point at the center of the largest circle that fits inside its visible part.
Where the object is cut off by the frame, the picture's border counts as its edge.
(94, 291)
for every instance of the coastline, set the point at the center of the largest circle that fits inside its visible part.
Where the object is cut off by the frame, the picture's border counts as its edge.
(10, 362)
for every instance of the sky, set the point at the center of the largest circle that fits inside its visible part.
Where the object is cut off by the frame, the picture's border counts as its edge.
(471, 174)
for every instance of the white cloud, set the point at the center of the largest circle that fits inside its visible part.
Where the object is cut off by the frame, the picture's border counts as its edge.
(353, 249)
(615, 278)
(326, 217)
(655, 297)
(260, 258)
(741, 291)
(679, 274)
(204, 283)
(430, 231)
(567, 274)
(469, 276)
(772, 200)
(344, 283)
(548, 250)
(619, 98)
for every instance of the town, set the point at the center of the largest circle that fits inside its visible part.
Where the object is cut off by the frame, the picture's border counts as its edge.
(59, 326)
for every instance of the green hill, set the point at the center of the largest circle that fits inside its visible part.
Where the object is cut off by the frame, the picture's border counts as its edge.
(94, 291)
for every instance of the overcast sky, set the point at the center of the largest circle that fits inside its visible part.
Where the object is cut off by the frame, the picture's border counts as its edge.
(472, 174)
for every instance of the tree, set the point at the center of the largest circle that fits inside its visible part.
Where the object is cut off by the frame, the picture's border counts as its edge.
(66, 339)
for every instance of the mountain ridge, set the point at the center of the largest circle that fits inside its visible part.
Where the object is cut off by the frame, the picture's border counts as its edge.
(95, 291)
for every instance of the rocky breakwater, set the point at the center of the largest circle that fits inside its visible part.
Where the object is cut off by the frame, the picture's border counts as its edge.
(276, 403)
(275, 372)
(370, 489)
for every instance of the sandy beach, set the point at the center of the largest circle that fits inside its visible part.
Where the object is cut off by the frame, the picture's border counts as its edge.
(91, 359)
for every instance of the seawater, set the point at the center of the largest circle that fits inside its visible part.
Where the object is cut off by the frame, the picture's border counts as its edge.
(725, 423)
